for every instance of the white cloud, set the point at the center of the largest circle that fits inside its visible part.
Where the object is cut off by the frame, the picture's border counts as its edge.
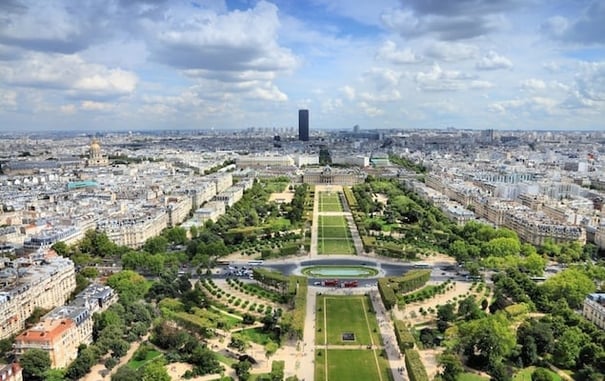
(370, 110)
(68, 109)
(349, 92)
(532, 104)
(590, 81)
(448, 80)
(493, 61)
(95, 106)
(69, 73)
(391, 53)
(533, 84)
(451, 51)
(8, 99)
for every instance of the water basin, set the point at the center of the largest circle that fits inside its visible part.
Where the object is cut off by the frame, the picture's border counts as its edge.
(339, 271)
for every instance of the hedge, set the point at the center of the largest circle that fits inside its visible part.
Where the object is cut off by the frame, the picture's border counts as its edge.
(300, 305)
(386, 288)
(350, 197)
(405, 339)
(413, 280)
(271, 278)
(390, 287)
(414, 366)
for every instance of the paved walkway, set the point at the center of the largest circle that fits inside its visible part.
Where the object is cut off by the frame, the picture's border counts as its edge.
(315, 224)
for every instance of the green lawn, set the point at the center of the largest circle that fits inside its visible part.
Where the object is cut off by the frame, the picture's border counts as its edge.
(347, 314)
(152, 354)
(471, 377)
(354, 364)
(334, 236)
(525, 374)
(329, 202)
(256, 335)
(332, 221)
(335, 246)
(333, 232)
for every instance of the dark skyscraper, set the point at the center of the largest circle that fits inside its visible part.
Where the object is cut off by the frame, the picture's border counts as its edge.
(303, 125)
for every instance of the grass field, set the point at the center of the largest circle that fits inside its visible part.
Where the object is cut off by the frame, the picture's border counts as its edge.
(329, 202)
(350, 314)
(354, 364)
(336, 315)
(334, 236)
(471, 377)
(525, 374)
(151, 355)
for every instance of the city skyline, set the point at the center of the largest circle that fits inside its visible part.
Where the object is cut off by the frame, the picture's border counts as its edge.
(137, 65)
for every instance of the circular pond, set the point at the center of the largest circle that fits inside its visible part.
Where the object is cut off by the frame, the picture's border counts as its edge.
(339, 271)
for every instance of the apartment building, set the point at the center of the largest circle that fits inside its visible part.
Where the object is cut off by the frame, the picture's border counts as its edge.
(133, 230)
(594, 309)
(178, 208)
(230, 196)
(65, 328)
(11, 372)
(27, 285)
(210, 211)
(222, 181)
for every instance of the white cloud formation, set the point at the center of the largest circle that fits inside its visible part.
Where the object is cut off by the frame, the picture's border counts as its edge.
(493, 61)
(8, 99)
(69, 73)
(533, 84)
(451, 51)
(390, 52)
(590, 81)
(438, 79)
(448, 21)
(532, 104)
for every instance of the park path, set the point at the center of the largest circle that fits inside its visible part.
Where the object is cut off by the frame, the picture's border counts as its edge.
(314, 225)
(95, 372)
(387, 331)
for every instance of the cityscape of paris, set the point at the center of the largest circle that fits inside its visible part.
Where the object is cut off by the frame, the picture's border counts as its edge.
(313, 190)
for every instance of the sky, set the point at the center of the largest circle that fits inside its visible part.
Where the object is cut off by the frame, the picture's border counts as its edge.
(119, 65)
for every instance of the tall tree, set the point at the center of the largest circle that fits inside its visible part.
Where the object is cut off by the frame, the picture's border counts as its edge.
(35, 363)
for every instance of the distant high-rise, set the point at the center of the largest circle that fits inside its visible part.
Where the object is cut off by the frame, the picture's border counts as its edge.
(303, 125)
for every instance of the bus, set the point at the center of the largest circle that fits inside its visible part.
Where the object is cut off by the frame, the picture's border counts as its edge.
(422, 266)
(255, 263)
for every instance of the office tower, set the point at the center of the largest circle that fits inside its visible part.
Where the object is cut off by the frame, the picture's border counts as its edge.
(303, 125)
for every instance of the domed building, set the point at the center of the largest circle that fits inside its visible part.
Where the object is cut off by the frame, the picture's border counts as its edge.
(95, 157)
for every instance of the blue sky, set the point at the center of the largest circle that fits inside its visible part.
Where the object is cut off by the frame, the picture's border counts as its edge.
(102, 65)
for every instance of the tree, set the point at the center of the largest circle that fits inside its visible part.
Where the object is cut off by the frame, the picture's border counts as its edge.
(129, 285)
(567, 348)
(126, 373)
(446, 312)
(541, 333)
(54, 375)
(529, 352)
(242, 370)
(570, 284)
(61, 248)
(541, 374)
(487, 340)
(155, 371)
(90, 272)
(35, 362)
(468, 309)
(502, 247)
(82, 364)
(452, 366)
(156, 245)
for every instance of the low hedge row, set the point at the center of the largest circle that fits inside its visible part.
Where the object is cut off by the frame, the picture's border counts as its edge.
(405, 339)
(414, 366)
